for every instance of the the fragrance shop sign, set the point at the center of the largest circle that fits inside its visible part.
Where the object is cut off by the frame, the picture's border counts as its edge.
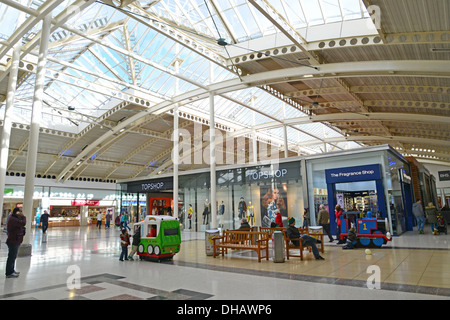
(352, 174)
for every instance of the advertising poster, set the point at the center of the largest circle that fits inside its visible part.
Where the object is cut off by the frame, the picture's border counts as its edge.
(273, 199)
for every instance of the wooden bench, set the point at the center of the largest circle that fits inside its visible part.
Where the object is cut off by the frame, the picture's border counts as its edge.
(290, 245)
(271, 231)
(242, 240)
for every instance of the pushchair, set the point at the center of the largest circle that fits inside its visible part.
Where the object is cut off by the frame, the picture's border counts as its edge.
(441, 224)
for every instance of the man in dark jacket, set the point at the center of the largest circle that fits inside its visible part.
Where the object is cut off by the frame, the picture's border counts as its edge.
(307, 241)
(16, 231)
(44, 221)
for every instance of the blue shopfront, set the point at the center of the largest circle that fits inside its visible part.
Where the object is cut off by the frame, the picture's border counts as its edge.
(362, 182)
(375, 179)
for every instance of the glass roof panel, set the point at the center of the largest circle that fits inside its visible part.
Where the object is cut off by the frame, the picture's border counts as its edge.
(121, 53)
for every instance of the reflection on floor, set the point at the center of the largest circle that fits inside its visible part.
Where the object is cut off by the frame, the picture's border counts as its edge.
(412, 266)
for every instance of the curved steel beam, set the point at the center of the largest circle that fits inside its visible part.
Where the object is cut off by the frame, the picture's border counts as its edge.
(348, 69)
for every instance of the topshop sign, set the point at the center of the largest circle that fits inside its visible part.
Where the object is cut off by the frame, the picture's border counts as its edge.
(150, 186)
(286, 172)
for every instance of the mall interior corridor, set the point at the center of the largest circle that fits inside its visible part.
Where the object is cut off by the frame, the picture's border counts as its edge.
(412, 266)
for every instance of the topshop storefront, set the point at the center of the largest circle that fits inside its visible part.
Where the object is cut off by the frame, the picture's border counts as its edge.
(375, 179)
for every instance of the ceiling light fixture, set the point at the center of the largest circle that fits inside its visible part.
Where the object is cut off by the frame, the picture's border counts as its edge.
(440, 50)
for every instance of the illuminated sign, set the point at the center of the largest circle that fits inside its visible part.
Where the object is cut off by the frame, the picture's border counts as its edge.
(444, 175)
(352, 174)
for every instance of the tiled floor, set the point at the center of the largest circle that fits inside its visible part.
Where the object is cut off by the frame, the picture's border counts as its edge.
(412, 266)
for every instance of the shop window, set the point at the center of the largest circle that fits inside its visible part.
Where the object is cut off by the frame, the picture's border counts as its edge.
(152, 231)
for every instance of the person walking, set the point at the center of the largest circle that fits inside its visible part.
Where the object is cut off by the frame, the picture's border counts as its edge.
(43, 221)
(432, 212)
(16, 232)
(323, 220)
(99, 220)
(338, 213)
(124, 221)
(417, 210)
(108, 219)
(306, 218)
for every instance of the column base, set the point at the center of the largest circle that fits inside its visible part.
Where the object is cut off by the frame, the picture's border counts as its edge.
(25, 250)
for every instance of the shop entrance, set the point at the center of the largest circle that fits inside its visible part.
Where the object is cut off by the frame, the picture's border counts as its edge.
(357, 196)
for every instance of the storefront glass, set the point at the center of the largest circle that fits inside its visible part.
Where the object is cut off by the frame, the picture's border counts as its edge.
(361, 194)
(254, 193)
(397, 176)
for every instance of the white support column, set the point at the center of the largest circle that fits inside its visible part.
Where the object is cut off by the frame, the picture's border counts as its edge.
(36, 118)
(254, 138)
(212, 152)
(286, 145)
(176, 151)
(7, 122)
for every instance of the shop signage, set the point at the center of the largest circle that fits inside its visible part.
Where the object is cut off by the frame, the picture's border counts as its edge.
(444, 175)
(404, 177)
(150, 186)
(353, 174)
(85, 203)
(281, 172)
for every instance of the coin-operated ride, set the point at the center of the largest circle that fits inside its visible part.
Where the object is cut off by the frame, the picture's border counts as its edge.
(160, 238)
(371, 232)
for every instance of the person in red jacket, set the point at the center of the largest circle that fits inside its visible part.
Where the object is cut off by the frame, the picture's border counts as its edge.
(16, 232)
(338, 213)
(279, 219)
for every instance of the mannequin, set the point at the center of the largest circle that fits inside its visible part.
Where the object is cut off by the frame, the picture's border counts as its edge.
(251, 214)
(190, 213)
(221, 212)
(206, 212)
(242, 208)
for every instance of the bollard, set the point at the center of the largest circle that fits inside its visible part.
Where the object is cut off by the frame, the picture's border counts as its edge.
(278, 247)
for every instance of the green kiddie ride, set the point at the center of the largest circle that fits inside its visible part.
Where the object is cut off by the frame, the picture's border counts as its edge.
(160, 237)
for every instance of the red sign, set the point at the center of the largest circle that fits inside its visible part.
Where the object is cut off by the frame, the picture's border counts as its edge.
(85, 202)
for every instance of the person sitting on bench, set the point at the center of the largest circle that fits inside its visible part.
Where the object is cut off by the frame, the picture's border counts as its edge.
(308, 241)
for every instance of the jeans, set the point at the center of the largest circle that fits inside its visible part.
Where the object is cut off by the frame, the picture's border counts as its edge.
(11, 261)
(124, 254)
(107, 224)
(433, 226)
(420, 223)
(44, 227)
(309, 241)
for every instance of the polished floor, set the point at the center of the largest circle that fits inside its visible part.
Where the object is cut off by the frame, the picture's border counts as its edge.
(83, 264)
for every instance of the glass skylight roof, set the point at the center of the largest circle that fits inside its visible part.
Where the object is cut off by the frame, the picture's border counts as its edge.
(122, 53)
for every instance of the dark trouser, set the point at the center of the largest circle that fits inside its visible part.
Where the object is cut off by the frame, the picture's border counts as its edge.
(309, 241)
(99, 224)
(44, 227)
(11, 261)
(326, 228)
(338, 234)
